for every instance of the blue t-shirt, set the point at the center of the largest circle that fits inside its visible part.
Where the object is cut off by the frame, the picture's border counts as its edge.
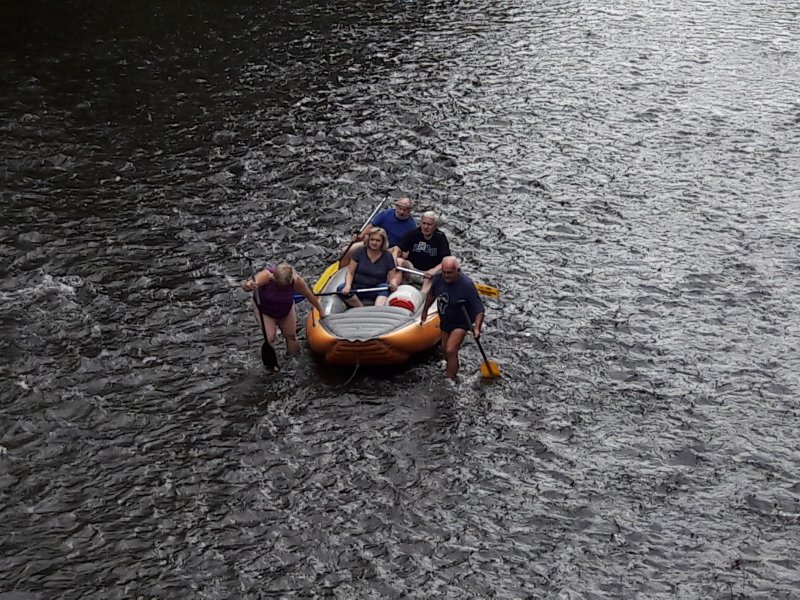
(452, 296)
(371, 274)
(394, 226)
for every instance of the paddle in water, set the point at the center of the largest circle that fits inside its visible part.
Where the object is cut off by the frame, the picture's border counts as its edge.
(489, 369)
(268, 356)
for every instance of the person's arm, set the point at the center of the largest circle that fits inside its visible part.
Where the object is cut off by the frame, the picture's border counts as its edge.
(476, 308)
(476, 328)
(432, 271)
(301, 287)
(429, 299)
(348, 278)
(262, 278)
(363, 234)
(403, 246)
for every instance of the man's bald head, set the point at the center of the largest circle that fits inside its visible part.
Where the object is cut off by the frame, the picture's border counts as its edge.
(450, 263)
(450, 268)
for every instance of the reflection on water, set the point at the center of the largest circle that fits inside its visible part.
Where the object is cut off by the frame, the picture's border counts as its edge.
(625, 175)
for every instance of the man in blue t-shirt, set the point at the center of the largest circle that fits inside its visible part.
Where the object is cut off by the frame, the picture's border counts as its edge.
(456, 294)
(396, 221)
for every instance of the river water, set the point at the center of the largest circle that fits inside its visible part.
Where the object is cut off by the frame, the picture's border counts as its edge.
(627, 174)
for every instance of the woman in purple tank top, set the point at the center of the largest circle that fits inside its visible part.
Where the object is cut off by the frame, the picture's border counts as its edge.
(276, 288)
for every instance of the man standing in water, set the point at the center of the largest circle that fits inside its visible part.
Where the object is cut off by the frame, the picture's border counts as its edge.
(456, 293)
(396, 221)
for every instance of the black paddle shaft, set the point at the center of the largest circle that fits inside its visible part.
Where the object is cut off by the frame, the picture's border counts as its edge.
(477, 341)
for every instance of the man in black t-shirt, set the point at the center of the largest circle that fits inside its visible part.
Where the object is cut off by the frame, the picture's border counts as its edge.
(424, 248)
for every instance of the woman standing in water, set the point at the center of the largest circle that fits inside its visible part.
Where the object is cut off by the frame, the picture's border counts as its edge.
(275, 307)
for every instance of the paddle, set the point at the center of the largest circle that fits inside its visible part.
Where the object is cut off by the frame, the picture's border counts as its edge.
(268, 356)
(380, 288)
(486, 290)
(489, 370)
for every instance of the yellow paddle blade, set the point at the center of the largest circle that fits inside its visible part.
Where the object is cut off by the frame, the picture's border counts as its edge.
(490, 370)
(487, 290)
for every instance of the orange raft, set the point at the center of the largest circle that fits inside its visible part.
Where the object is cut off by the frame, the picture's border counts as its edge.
(370, 335)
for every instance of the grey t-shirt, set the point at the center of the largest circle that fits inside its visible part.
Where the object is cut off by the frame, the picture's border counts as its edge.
(370, 274)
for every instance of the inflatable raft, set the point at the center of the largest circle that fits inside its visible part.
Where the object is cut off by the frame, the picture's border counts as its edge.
(370, 335)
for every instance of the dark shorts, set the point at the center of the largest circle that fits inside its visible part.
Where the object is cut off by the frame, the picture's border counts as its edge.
(363, 295)
(448, 325)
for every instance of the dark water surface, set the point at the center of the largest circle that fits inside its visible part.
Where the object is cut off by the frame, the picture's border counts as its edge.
(627, 175)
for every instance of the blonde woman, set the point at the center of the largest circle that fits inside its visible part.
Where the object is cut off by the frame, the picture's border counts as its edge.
(371, 266)
(275, 307)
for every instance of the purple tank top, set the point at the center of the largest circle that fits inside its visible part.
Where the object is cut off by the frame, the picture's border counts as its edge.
(276, 301)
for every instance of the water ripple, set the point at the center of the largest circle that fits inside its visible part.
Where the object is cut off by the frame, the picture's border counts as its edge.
(626, 175)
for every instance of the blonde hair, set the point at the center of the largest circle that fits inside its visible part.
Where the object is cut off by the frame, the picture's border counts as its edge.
(381, 231)
(283, 274)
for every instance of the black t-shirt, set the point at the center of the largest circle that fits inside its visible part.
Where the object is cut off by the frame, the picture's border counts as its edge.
(425, 254)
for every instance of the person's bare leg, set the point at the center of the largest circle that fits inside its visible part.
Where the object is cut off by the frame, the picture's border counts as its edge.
(292, 345)
(426, 285)
(381, 301)
(451, 347)
(451, 343)
(288, 325)
(269, 324)
(353, 301)
(397, 280)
